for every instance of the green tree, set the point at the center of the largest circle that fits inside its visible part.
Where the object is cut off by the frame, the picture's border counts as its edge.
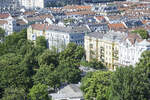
(41, 41)
(10, 44)
(14, 94)
(96, 86)
(46, 75)
(72, 54)
(13, 74)
(2, 34)
(143, 33)
(132, 83)
(142, 78)
(39, 92)
(122, 86)
(96, 64)
(48, 57)
(68, 74)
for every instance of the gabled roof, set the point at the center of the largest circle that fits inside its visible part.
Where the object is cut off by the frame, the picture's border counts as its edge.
(98, 35)
(29, 13)
(78, 7)
(133, 23)
(100, 17)
(4, 15)
(39, 27)
(80, 13)
(71, 91)
(133, 38)
(45, 16)
(116, 26)
(68, 30)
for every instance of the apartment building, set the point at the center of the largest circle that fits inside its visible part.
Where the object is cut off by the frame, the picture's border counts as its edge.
(131, 48)
(57, 36)
(8, 23)
(105, 9)
(8, 5)
(115, 48)
(32, 3)
(104, 47)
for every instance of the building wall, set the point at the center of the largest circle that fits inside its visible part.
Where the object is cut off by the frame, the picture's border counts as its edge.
(130, 54)
(33, 3)
(55, 38)
(8, 5)
(102, 50)
(10, 27)
(33, 34)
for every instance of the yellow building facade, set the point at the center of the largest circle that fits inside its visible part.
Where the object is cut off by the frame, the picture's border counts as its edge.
(35, 31)
(102, 49)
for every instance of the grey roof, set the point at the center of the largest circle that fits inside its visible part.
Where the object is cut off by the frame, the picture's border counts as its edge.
(133, 23)
(114, 36)
(96, 34)
(70, 91)
(100, 27)
(79, 29)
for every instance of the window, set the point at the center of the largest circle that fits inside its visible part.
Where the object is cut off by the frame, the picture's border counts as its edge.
(33, 37)
(91, 45)
(109, 47)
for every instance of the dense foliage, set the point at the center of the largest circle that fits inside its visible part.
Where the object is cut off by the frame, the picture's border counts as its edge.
(142, 33)
(2, 34)
(96, 85)
(93, 64)
(39, 92)
(126, 83)
(14, 94)
(28, 70)
(29, 66)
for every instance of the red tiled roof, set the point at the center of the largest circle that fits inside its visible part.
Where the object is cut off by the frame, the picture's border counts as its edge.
(77, 7)
(100, 17)
(39, 26)
(134, 37)
(45, 16)
(116, 26)
(4, 15)
(29, 13)
(80, 13)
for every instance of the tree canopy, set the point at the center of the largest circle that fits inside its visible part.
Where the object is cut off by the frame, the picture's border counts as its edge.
(14, 94)
(39, 92)
(130, 83)
(25, 64)
(143, 33)
(2, 34)
(96, 85)
(46, 75)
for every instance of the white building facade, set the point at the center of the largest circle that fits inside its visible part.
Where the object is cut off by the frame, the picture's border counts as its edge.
(130, 50)
(32, 3)
(57, 36)
(10, 5)
(9, 24)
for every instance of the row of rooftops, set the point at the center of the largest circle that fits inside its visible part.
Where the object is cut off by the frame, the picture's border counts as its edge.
(120, 37)
(82, 15)
(70, 30)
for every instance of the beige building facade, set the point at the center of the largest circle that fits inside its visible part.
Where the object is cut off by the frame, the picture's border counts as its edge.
(103, 47)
